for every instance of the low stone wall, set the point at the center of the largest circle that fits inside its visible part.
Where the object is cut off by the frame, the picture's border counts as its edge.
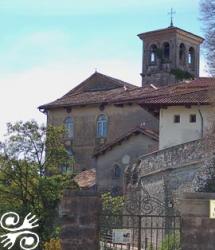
(169, 172)
(197, 230)
(173, 157)
(79, 212)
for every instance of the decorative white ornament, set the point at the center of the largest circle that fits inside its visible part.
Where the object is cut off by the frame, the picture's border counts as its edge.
(126, 159)
(29, 239)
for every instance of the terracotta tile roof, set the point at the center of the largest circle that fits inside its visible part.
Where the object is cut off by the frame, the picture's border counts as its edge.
(137, 130)
(187, 92)
(171, 29)
(86, 179)
(98, 88)
(197, 91)
(98, 81)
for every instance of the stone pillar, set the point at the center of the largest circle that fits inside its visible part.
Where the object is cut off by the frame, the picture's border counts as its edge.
(198, 231)
(79, 213)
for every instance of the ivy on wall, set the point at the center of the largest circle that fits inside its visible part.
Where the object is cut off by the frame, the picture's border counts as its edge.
(181, 74)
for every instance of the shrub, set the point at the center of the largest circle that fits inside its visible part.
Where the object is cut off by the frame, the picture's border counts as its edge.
(171, 242)
(53, 244)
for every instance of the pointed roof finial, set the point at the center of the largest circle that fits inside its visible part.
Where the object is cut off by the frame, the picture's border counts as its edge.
(96, 70)
(171, 13)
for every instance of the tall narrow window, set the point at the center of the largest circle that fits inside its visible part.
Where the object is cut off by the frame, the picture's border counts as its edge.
(102, 126)
(68, 123)
(153, 52)
(115, 191)
(176, 118)
(191, 57)
(116, 172)
(193, 118)
(182, 52)
(166, 51)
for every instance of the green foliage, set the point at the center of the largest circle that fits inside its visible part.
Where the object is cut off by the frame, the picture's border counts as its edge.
(171, 242)
(150, 247)
(112, 205)
(181, 74)
(30, 181)
(53, 244)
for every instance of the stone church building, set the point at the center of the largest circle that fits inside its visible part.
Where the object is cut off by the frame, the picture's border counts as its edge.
(111, 124)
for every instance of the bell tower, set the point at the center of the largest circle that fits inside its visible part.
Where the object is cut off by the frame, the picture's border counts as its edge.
(170, 55)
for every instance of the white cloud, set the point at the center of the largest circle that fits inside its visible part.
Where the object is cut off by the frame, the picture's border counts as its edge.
(36, 48)
(23, 92)
(203, 67)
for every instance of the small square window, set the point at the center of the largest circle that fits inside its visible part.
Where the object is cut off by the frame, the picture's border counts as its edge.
(192, 118)
(176, 118)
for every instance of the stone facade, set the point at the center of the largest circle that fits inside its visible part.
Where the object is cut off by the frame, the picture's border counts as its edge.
(120, 156)
(120, 120)
(196, 228)
(80, 221)
(169, 172)
(79, 212)
(168, 49)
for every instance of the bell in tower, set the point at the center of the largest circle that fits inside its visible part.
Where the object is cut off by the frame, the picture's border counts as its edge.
(170, 55)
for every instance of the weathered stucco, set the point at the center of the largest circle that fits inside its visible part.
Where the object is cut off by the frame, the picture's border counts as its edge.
(120, 120)
(172, 134)
(121, 155)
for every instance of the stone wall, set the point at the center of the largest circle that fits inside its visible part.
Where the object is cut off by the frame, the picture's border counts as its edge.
(79, 212)
(120, 155)
(121, 119)
(197, 230)
(182, 168)
(159, 72)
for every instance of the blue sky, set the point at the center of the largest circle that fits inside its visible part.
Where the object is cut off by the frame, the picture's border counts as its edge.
(47, 47)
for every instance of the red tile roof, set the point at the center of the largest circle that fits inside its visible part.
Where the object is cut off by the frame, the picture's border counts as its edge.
(137, 130)
(197, 91)
(98, 88)
(119, 92)
(171, 29)
(86, 179)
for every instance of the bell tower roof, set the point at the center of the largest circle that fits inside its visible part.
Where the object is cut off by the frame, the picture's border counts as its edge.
(171, 30)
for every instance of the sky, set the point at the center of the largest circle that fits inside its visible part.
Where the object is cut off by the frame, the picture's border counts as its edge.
(49, 46)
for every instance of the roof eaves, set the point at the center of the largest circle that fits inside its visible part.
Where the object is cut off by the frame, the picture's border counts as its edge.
(138, 129)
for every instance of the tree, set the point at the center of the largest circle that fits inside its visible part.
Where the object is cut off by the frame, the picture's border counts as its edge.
(30, 176)
(112, 205)
(208, 18)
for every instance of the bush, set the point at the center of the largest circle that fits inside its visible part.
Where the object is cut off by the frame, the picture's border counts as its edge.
(181, 74)
(53, 244)
(150, 247)
(171, 242)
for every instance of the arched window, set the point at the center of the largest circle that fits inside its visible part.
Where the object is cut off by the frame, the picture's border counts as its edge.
(102, 126)
(182, 52)
(68, 123)
(116, 171)
(166, 50)
(153, 54)
(191, 57)
(69, 151)
(115, 191)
